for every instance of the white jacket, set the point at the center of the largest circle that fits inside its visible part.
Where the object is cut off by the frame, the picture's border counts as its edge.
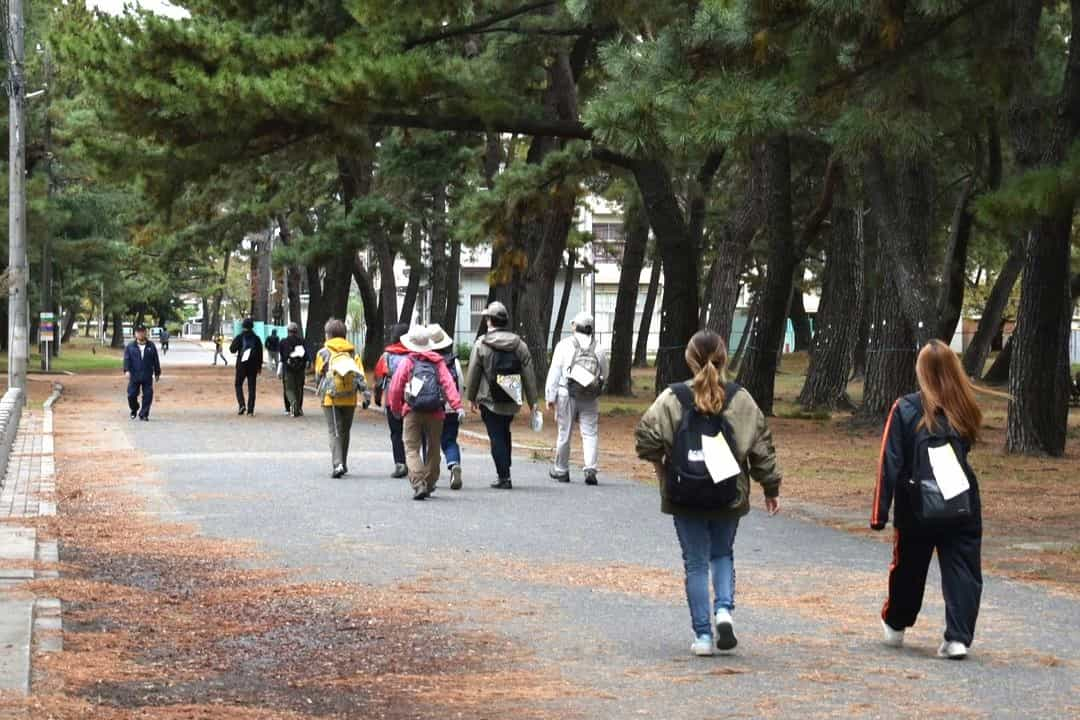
(563, 359)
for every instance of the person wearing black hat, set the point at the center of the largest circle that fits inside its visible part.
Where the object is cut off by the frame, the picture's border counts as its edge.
(499, 382)
(141, 368)
(249, 361)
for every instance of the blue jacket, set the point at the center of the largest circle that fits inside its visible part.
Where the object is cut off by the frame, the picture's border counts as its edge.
(143, 368)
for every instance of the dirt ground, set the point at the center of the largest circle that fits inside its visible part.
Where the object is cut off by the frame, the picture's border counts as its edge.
(1031, 505)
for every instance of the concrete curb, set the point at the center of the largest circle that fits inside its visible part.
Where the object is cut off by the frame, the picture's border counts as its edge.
(11, 406)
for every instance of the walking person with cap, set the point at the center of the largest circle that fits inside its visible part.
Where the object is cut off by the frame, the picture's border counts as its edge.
(339, 373)
(292, 369)
(142, 368)
(499, 382)
(273, 344)
(574, 383)
(420, 391)
(444, 345)
(249, 361)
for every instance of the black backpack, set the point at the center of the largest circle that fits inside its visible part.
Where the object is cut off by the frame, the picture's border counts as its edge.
(928, 505)
(423, 391)
(688, 482)
(502, 362)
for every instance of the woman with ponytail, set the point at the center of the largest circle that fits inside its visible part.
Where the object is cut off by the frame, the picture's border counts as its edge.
(706, 510)
(912, 480)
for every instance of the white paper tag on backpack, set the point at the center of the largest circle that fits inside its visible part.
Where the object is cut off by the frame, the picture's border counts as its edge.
(246, 356)
(950, 476)
(415, 386)
(719, 459)
(581, 376)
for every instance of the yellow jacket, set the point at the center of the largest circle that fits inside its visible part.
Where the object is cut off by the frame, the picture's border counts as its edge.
(322, 360)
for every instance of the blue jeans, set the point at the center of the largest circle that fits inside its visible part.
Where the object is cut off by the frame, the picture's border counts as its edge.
(707, 544)
(449, 441)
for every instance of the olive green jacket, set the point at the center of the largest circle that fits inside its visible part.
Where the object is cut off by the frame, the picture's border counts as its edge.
(655, 437)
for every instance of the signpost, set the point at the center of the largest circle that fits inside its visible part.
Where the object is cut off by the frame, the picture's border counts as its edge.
(47, 335)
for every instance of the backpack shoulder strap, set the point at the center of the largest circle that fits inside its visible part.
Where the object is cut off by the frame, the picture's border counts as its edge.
(730, 389)
(684, 394)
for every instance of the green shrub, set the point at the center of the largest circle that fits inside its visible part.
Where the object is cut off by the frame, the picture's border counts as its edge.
(464, 351)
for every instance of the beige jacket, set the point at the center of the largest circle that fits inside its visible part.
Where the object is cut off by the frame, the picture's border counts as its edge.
(655, 437)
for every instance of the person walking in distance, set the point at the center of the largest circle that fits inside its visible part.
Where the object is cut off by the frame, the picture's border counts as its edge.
(706, 439)
(219, 345)
(574, 382)
(499, 382)
(164, 335)
(141, 368)
(924, 475)
(339, 373)
(249, 361)
(444, 345)
(385, 368)
(292, 369)
(273, 343)
(419, 393)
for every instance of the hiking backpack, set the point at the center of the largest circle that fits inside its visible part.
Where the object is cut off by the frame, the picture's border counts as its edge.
(392, 362)
(296, 362)
(928, 503)
(688, 482)
(504, 375)
(423, 391)
(342, 377)
(586, 359)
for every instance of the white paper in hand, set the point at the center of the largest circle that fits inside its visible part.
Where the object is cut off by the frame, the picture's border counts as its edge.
(297, 352)
(581, 376)
(718, 458)
(950, 476)
(246, 356)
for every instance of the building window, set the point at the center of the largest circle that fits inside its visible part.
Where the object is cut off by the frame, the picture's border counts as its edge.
(608, 242)
(477, 305)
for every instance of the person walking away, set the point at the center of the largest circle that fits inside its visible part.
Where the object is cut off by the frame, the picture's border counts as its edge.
(574, 383)
(141, 367)
(219, 344)
(924, 475)
(444, 345)
(249, 361)
(292, 369)
(499, 382)
(339, 373)
(273, 343)
(706, 439)
(419, 392)
(164, 335)
(385, 368)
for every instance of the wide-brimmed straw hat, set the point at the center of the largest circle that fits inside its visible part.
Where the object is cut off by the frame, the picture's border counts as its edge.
(418, 339)
(439, 339)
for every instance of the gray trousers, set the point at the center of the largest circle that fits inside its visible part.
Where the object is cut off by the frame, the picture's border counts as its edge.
(339, 424)
(587, 415)
(294, 390)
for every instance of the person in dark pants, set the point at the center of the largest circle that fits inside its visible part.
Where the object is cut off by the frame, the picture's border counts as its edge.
(295, 359)
(944, 412)
(249, 361)
(444, 345)
(273, 344)
(500, 380)
(164, 335)
(142, 368)
(388, 363)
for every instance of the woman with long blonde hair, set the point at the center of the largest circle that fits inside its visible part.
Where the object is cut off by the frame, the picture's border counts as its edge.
(923, 474)
(680, 434)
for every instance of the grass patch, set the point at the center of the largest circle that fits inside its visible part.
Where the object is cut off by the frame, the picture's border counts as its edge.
(76, 358)
(622, 411)
(797, 413)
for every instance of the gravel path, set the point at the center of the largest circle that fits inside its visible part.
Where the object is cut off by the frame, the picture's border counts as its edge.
(586, 584)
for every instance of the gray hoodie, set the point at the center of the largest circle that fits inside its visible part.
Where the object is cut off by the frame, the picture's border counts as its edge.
(477, 387)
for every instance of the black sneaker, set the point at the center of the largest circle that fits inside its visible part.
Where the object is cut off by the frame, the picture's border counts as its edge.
(400, 471)
(134, 415)
(561, 477)
(251, 412)
(590, 477)
(420, 494)
(144, 418)
(503, 484)
(241, 411)
(339, 470)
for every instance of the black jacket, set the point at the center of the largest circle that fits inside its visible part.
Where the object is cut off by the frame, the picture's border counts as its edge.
(141, 366)
(250, 338)
(895, 465)
(273, 343)
(286, 349)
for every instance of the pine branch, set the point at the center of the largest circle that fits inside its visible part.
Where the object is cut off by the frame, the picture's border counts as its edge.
(817, 217)
(567, 129)
(474, 28)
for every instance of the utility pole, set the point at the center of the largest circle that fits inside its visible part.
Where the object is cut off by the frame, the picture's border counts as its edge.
(18, 271)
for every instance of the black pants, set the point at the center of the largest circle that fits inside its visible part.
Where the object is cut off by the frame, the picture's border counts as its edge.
(248, 374)
(498, 430)
(959, 553)
(397, 445)
(147, 387)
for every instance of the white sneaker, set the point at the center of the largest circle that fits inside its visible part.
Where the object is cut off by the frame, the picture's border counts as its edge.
(702, 647)
(952, 650)
(893, 638)
(725, 630)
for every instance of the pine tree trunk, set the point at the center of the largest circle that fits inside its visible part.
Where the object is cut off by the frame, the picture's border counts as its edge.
(219, 298)
(950, 302)
(641, 349)
(384, 257)
(998, 374)
(993, 313)
(453, 289)
(732, 253)
(260, 306)
(69, 325)
(438, 261)
(117, 331)
(636, 226)
(757, 372)
(373, 319)
(412, 288)
(839, 313)
(748, 331)
(564, 301)
(890, 352)
(318, 311)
